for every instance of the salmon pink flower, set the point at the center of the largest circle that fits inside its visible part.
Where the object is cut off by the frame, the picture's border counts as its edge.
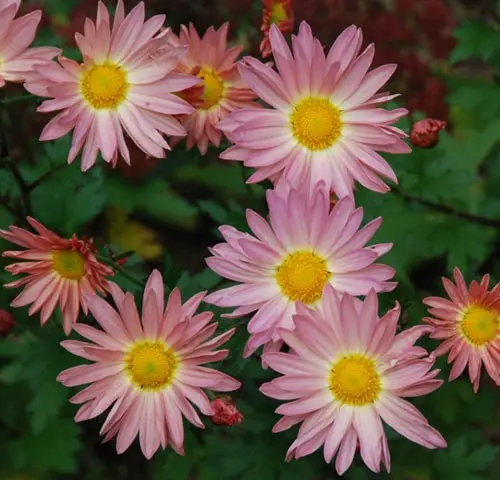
(58, 271)
(17, 60)
(148, 371)
(122, 85)
(291, 259)
(346, 372)
(279, 13)
(469, 326)
(325, 121)
(222, 90)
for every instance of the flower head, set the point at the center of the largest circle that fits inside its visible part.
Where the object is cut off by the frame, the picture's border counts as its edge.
(149, 369)
(325, 121)
(225, 412)
(59, 271)
(125, 84)
(469, 325)
(220, 90)
(348, 370)
(17, 60)
(425, 133)
(291, 259)
(275, 12)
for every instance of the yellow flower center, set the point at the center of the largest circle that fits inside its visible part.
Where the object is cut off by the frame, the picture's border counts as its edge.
(479, 325)
(69, 264)
(302, 276)
(104, 86)
(151, 366)
(213, 90)
(354, 380)
(316, 123)
(278, 12)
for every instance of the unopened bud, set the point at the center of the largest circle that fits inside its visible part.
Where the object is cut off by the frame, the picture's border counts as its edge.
(425, 133)
(7, 322)
(225, 412)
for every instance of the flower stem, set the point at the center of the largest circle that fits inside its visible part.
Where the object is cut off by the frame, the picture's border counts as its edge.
(120, 270)
(438, 207)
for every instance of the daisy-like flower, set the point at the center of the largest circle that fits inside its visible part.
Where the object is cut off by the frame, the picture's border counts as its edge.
(279, 13)
(291, 259)
(469, 326)
(17, 60)
(58, 270)
(150, 370)
(124, 84)
(222, 90)
(348, 371)
(325, 121)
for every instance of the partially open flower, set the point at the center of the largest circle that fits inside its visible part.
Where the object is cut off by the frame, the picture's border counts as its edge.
(425, 133)
(225, 412)
(280, 13)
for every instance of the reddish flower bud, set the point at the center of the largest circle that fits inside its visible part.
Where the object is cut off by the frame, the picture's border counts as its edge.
(7, 322)
(225, 412)
(333, 200)
(425, 133)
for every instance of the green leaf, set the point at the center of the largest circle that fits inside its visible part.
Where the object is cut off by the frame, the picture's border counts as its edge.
(153, 198)
(54, 449)
(475, 38)
(69, 199)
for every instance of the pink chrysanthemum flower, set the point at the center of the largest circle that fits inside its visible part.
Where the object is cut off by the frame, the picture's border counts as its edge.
(222, 90)
(124, 84)
(16, 35)
(348, 371)
(469, 326)
(291, 259)
(58, 271)
(150, 370)
(325, 121)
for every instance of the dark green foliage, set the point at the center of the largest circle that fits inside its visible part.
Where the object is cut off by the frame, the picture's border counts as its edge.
(445, 212)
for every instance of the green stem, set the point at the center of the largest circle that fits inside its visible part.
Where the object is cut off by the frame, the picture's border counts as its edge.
(489, 222)
(18, 99)
(248, 186)
(23, 186)
(121, 270)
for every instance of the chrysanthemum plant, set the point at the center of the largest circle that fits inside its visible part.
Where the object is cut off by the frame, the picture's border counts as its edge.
(295, 264)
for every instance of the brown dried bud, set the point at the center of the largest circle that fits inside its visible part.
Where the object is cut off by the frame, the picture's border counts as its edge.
(7, 322)
(425, 133)
(225, 412)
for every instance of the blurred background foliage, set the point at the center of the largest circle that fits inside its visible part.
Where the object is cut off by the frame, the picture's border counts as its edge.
(444, 213)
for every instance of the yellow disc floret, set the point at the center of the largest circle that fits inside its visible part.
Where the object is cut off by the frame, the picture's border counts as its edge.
(316, 123)
(151, 365)
(302, 276)
(104, 86)
(354, 380)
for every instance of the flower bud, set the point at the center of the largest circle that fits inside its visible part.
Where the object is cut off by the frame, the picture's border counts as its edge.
(425, 133)
(333, 200)
(7, 322)
(225, 412)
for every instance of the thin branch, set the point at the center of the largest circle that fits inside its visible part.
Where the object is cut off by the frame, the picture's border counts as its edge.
(121, 271)
(489, 222)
